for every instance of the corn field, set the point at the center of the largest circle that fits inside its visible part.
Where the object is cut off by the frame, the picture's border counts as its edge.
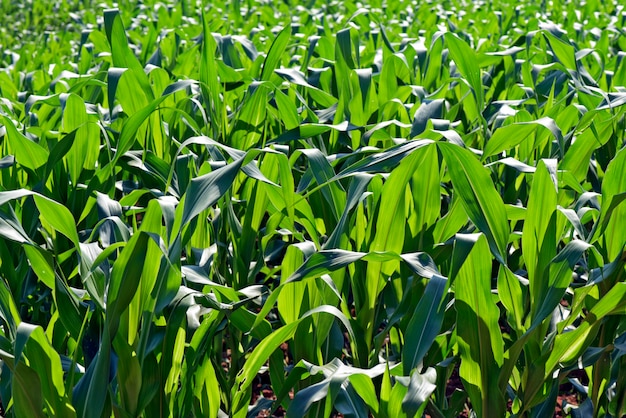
(322, 209)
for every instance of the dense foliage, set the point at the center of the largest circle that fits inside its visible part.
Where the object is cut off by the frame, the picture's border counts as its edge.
(344, 203)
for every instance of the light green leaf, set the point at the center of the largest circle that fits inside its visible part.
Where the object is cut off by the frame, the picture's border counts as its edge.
(509, 136)
(539, 236)
(482, 203)
(466, 61)
(277, 50)
(58, 216)
(27, 153)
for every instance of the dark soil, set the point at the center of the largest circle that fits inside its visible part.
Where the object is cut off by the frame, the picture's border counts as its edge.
(567, 393)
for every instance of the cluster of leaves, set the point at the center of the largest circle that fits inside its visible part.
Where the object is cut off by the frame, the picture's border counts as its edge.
(347, 201)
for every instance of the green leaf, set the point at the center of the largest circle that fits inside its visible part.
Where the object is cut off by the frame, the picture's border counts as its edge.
(480, 343)
(90, 393)
(125, 279)
(560, 274)
(58, 216)
(578, 155)
(421, 386)
(129, 377)
(424, 325)
(381, 161)
(351, 389)
(206, 190)
(291, 302)
(27, 153)
(287, 110)
(562, 49)
(51, 212)
(511, 295)
(539, 236)
(86, 144)
(276, 52)
(10, 228)
(209, 79)
(121, 53)
(510, 136)
(249, 123)
(568, 346)
(364, 387)
(45, 361)
(262, 352)
(389, 236)
(482, 203)
(26, 392)
(324, 173)
(614, 185)
(8, 310)
(41, 263)
(466, 61)
(426, 111)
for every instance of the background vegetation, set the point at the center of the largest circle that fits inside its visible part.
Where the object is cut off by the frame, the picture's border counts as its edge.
(242, 208)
